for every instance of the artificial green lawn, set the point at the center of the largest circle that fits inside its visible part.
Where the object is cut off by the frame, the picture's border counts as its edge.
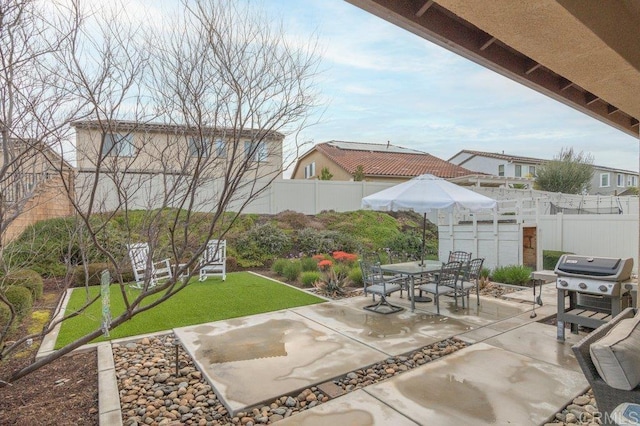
(241, 294)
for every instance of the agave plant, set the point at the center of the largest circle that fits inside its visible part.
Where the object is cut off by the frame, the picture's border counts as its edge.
(333, 282)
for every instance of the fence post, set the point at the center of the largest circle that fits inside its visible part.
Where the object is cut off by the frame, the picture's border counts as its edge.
(315, 196)
(559, 231)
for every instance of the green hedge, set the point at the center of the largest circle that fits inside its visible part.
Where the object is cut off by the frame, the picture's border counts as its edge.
(20, 298)
(95, 270)
(26, 278)
(5, 314)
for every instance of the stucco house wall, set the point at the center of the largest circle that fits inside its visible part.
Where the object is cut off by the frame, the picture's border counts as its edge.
(162, 154)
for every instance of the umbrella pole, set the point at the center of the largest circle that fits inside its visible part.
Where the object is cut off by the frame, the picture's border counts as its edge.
(424, 236)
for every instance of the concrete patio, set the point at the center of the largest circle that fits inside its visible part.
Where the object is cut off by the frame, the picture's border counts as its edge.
(514, 371)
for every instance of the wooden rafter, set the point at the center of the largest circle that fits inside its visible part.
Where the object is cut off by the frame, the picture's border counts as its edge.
(424, 8)
(488, 43)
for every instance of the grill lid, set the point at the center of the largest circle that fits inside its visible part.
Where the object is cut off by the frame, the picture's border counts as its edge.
(586, 266)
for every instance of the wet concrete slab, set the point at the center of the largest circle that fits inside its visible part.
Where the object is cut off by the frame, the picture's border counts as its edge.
(256, 359)
(548, 296)
(356, 408)
(489, 311)
(512, 323)
(481, 385)
(539, 341)
(393, 334)
(478, 335)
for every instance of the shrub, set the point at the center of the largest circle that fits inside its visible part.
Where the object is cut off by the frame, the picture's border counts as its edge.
(512, 274)
(43, 247)
(293, 219)
(311, 241)
(95, 271)
(26, 278)
(292, 271)
(308, 278)
(308, 264)
(279, 265)
(550, 258)
(20, 298)
(5, 315)
(355, 276)
(261, 243)
(408, 242)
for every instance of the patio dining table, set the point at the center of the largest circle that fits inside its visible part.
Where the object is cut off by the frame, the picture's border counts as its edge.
(412, 270)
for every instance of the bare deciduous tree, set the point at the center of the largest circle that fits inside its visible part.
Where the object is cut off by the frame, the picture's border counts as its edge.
(188, 119)
(36, 107)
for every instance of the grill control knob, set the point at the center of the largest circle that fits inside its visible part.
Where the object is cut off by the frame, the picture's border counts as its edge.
(563, 283)
(583, 286)
(603, 288)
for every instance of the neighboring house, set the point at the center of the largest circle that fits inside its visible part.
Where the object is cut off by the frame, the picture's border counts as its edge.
(610, 181)
(501, 165)
(606, 180)
(148, 153)
(379, 162)
(32, 183)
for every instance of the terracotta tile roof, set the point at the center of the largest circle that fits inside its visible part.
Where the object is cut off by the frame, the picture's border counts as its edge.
(388, 160)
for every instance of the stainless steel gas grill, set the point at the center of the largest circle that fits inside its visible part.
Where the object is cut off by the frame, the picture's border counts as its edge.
(593, 287)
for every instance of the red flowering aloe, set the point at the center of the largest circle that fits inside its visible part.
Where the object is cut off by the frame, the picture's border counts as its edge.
(345, 257)
(325, 264)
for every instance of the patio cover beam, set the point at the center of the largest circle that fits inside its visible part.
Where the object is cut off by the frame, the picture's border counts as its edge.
(584, 54)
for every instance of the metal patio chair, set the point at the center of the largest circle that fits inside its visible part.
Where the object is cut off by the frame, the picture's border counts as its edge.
(470, 279)
(459, 256)
(376, 284)
(445, 282)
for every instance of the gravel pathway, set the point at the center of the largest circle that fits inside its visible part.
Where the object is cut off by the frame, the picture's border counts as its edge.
(152, 394)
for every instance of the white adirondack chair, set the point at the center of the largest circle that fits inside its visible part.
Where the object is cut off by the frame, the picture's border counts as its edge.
(213, 260)
(141, 265)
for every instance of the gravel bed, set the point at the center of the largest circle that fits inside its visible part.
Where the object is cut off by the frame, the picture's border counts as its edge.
(152, 394)
(496, 290)
(582, 410)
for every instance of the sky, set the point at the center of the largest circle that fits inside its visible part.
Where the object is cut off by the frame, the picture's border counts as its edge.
(380, 83)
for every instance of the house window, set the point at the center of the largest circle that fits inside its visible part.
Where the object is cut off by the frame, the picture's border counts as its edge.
(117, 144)
(258, 149)
(501, 170)
(310, 170)
(632, 181)
(620, 178)
(518, 170)
(221, 148)
(532, 171)
(604, 180)
(199, 147)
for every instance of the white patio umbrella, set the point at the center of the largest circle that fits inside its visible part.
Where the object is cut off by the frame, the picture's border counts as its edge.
(425, 193)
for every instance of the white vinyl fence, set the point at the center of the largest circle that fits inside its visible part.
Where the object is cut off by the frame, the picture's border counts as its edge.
(499, 239)
(590, 235)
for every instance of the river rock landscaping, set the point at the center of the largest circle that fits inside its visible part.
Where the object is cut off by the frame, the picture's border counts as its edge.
(151, 393)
